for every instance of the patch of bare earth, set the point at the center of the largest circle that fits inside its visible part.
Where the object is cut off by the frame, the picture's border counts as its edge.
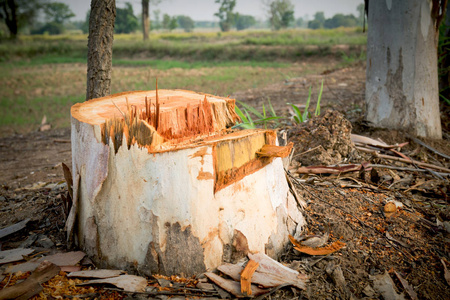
(411, 242)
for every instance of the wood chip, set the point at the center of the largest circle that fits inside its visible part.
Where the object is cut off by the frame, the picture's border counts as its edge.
(246, 277)
(66, 258)
(129, 283)
(316, 251)
(232, 286)
(32, 285)
(275, 151)
(265, 280)
(13, 255)
(13, 228)
(100, 273)
(271, 268)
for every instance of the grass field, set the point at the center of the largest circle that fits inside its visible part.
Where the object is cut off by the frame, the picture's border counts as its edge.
(45, 75)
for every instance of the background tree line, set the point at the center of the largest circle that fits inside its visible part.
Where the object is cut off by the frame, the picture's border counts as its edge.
(45, 17)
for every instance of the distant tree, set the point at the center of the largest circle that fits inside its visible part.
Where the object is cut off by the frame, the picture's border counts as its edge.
(360, 9)
(205, 24)
(58, 12)
(56, 15)
(244, 21)
(281, 13)
(169, 23)
(314, 24)
(319, 16)
(146, 16)
(85, 26)
(173, 24)
(75, 25)
(157, 19)
(299, 22)
(186, 23)
(318, 21)
(18, 14)
(340, 20)
(225, 14)
(126, 21)
(166, 21)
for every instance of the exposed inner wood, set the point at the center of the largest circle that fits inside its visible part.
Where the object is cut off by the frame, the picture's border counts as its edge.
(235, 158)
(151, 118)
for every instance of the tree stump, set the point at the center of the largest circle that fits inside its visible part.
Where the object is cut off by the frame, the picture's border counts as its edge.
(163, 185)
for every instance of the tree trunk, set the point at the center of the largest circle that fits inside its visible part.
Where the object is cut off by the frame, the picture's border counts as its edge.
(163, 186)
(100, 42)
(10, 10)
(402, 79)
(145, 18)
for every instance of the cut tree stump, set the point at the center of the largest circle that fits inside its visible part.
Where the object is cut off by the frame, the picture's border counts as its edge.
(163, 185)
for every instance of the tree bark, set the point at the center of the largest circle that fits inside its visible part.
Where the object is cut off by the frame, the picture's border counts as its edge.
(145, 18)
(402, 74)
(100, 41)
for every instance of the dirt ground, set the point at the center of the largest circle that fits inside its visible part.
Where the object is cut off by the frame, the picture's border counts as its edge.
(411, 244)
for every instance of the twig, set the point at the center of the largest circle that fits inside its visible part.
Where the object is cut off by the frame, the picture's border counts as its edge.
(211, 293)
(61, 141)
(389, 157)
(405, 169)
(417, 141)
(300, 154)
(9, 279)
(273, 291)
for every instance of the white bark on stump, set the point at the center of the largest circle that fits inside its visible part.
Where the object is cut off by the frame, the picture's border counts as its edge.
(402, 81)
(171, 190)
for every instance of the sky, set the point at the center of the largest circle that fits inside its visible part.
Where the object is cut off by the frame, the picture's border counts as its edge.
(203, 10)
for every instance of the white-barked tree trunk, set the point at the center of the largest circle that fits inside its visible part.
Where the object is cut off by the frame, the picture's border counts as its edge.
(402, 73)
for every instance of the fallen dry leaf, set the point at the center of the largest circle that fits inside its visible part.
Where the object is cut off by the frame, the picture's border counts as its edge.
(384, 285)
(408, 288)
(316, 251)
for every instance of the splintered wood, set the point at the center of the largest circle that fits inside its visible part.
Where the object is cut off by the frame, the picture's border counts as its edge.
(150, 119)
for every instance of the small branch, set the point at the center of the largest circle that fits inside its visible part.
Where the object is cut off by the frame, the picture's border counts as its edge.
(415, 162)
(300, 154)
(407, 169)
(417, 141)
